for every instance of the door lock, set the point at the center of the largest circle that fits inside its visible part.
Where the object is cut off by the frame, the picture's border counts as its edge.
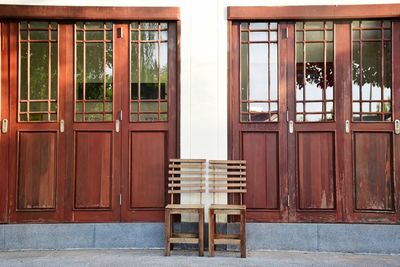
(347, 126)
(4, 126)
(62, 127)
(291, 124)
(397, 126)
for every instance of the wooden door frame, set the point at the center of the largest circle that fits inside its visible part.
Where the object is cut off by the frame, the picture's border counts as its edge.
(4, 114)
(68, 14)
(291, 13)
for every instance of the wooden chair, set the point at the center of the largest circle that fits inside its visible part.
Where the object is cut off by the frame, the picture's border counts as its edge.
(227, 176)
(185, 176)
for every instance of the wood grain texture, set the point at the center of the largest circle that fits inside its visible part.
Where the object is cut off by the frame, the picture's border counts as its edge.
(313, 12)
(148, 165)
(316, 170)
(260, 150)
(37, 170)
(89, 13)
(373, 171)
(93, 180)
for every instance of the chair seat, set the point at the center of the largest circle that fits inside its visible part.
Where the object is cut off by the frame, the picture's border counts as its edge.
(227, 207)
(185, 206)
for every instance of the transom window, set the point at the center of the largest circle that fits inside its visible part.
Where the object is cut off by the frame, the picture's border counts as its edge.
(38, 71)
(259, 72)
(314, 71)
(93, 71)
(149, 71)
(372, 70)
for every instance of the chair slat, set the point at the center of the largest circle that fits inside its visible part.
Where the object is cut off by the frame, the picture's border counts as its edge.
(228, 190)
(217, 173)
(228, 185)
(188, 160)
(230, 179)
(185, 191)
(186, 179)
(186, 172)
(227, 161)
(186, 185)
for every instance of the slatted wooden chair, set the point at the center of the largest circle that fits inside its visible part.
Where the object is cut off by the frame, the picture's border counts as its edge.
(227, 176)
(185, 176)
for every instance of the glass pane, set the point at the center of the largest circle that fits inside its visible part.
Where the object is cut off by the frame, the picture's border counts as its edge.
(109, 71)
(134, 71)
(23, 72)
(258, 71)
(39, 35)
(79, 71)
(163, 70)
(149, 106)
(273, 71)
(38, 106)
(164, 36)
(244, 70)
(258, 26)
(39, 71)
(134, 107)
(94, 25)
(94, 35)
(148, 117)
(315, 35)
(371, 34)
(38, 24)
(314, 71)
(387, 59)
(149, 25)
(149, 71)
(94, 71)
(314, 24)
(370, 23)
(148, 35)
(93, 107)
(371, 70)
(23, 107)
(54, 66)
(244, 36)
(258, 36)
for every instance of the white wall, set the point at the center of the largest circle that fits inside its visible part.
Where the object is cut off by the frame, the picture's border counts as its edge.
(203, 64)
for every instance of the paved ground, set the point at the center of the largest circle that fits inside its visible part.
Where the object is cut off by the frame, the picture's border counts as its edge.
(179, 258)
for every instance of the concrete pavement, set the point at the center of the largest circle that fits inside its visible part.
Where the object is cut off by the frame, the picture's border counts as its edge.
(129, 257)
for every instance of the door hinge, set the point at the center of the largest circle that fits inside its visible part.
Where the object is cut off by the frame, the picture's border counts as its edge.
(285, 33)
(120, 115)
(4, 126)
(288, 201)
(120, 199)
(287, 115)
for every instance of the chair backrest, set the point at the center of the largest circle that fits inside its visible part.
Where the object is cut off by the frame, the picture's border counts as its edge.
(227, 176)
(186, 176)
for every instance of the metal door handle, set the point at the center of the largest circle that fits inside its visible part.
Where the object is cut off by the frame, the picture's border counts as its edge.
(397, 126)
(291, 126)
(347, 126)
(62, 127)
(4, 126)
(117, 125)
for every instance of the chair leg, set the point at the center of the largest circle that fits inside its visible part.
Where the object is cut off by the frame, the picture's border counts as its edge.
(201, 232)
(243, 234)
(167, 232)
(211, 233)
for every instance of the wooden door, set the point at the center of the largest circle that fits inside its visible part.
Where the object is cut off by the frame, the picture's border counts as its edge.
(3, 116)
(36, 144)
(93, 128)
(149, 124)
(372, 107)
(315, 121)
(258, 115)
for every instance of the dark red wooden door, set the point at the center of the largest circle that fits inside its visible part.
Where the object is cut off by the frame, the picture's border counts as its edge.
(371, 110)
(315, 122)
(258, 115)
(149, 124)
(36, 144)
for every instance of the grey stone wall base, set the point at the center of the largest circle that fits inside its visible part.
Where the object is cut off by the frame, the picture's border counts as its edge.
(353, 238)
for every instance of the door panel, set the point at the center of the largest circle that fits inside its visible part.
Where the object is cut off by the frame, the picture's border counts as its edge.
(316, 170)
(147, 169)
(263, 179)
(37, 170)
(258, 116)
(93, 182)
(373, 171)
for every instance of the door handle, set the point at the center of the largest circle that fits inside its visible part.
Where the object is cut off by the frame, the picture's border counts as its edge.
(4, 126)
(62, 127)
(397, 126)
(291, 126)
(117, 126)
(347, 126)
